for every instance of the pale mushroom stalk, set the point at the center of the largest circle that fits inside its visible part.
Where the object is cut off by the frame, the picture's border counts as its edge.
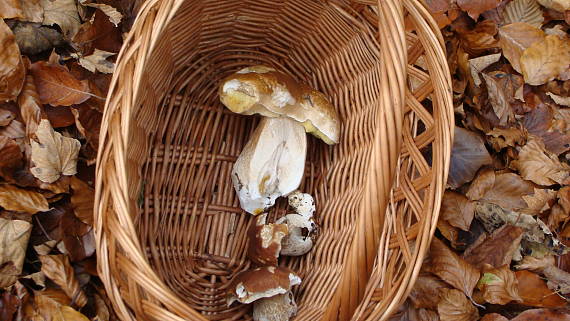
(299, 241)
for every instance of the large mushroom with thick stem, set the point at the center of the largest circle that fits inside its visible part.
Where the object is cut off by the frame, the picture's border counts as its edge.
(273, 161)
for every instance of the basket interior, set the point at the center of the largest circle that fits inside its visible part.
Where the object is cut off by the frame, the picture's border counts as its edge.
(183, 142)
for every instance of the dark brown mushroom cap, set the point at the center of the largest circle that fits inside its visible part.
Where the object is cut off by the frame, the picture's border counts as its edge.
(263, 282)
(265, 241)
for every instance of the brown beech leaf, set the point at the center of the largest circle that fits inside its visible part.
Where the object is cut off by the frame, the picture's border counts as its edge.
(15, 130)
(539, 201)
(503, 189)
(57, 86)
(499, 285)
(493, 317)
(103, 312)
(54, 155)
(497, 249)
(11, 158)
(475, 7)
(455, 306)
(60, 116)
(6, 117)
(451, 233)
(506, 137)
(88, 122)
(98, 33)
(457, 209)
(542, 315)
(558, 5)
(523, 11)
(50, 305)
(540, 166)
(114, 15)
(34, 38)
(16, 199)
(9, 303)
(97, 61)
(558, 279)
(451, 268)
(12, 70)
(78, 237)
(427, 292)
(499, 98)
(59, 270)
(10, 9)
(82, 200)
(468, 155)
(564, 198)
(481, 38)
(30, 106)
(515, 38)
(14, 236)
(534, 292)
(64, 14)
(545, 60)
(476, 65)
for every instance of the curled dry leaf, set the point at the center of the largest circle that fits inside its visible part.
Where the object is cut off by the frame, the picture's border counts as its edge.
(476, 65)
(499, 285)
(451, 268)
(82, 200)
(558, 279)
(98, 33)
(54, 155)
(10, 9)
(515, 38)
(57, 86)
(506, 137)
(467, 156)
(97, 61)
(457, 209)
(497, 249)
(493, 317)
(542, 315)
(499, 98)
(16, 199)
(540, 166)
(51, 306)
(12, 70)
(534, 292)
(62, 13)
(454, 306)
(558, 5)
(14, 236)
(539, 201)
(503, 189)
(31, 108)
(58, 269)
(449, 232)
(427, 292)
(78, 237)
(523, 11)
(476, 7)
(11, 158)
(34, 38)
(114, 15)
(6, 117)
(545, 60)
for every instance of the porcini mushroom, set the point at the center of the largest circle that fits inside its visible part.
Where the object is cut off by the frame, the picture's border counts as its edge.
(265, 91)
(302, 203)
(271, 164)
(263, 282)
(299, 240)
(276, 308)
(265, 241)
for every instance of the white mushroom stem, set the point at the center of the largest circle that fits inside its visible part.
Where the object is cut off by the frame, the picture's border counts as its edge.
(299, 241)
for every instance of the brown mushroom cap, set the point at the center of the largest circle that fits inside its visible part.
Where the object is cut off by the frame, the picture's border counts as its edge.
(263, 282)
(277, 308)
(265, 91)
(265, 241)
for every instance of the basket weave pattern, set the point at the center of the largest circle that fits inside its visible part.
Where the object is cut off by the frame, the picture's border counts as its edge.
(169, 228)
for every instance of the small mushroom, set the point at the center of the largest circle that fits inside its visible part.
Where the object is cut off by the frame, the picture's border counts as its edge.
(265, 241)
(271, 164)
(302, 203)
(299, 241)
(265, 91)
(276, 308)
(263, 282)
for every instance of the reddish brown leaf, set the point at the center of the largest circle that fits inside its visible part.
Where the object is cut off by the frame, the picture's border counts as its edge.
(451, 268)
(449, 232)
(454, 306)
(499, 285)
(542, 315)
(78, 237)
(11, 158)
(427, 292)
(467, 156)
(457, 210)
(534, 292)
(480, 38)
(88, 122)
(9, 303)
(60, 116)
(476, 7)
(30, 106)
(16, 199)
(58, 269)
(503, 189)
(494, 317)
(57, 86)
(539, 201)
(12, 70)
(82, 200)
(99, 33)
(500, 96)
(496, 249)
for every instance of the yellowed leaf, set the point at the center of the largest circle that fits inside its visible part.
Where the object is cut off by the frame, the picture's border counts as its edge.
(538, 202)
(499, 285)
(14, 236)
(545, 60)
(54, 155)
(454, 306)
(540, 166)
(52, 305)
(59, 270)
(98, 62)
(20, 200)
(564, 101)
(64, 14)
(515, 38)
(523, 11)
(558, 5)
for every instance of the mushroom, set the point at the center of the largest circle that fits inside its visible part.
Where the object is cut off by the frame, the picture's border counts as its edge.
(265, 91)
(265, 241)
(263, 282)
(271, 164)
(276, 308)
(302, 203)
(299, 241)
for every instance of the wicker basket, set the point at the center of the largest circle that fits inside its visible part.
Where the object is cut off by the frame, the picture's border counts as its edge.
(170, 233)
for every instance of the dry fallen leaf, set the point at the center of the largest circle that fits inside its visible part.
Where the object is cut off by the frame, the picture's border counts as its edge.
(6, 117)
(64, 14)
(475, 7)
(114, 15)
(499, 285)
(451, 268)
(78, 237)
(558, 5)
(14, 236)
(493, 317)
(503, 189)
(10, 9)
(82, 200)
(16, 199)
(545, 60)
(540, 166)
(12, 70)
(98, 33)
(427, 292)
(497, 249)
(539, 201)
(476, 65)
(542, 315)
(449, 232)
(58, 269)
(515, 38)
(57, 86)
(97, 61)
(534, 292)
(30, 106)
(468, 155)
(51, 306)
(523, 11)
(457, 209)
(11, 158)
(506, 137)
(33, 38)
(54, 155)
(499, 99)
(454, 306)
